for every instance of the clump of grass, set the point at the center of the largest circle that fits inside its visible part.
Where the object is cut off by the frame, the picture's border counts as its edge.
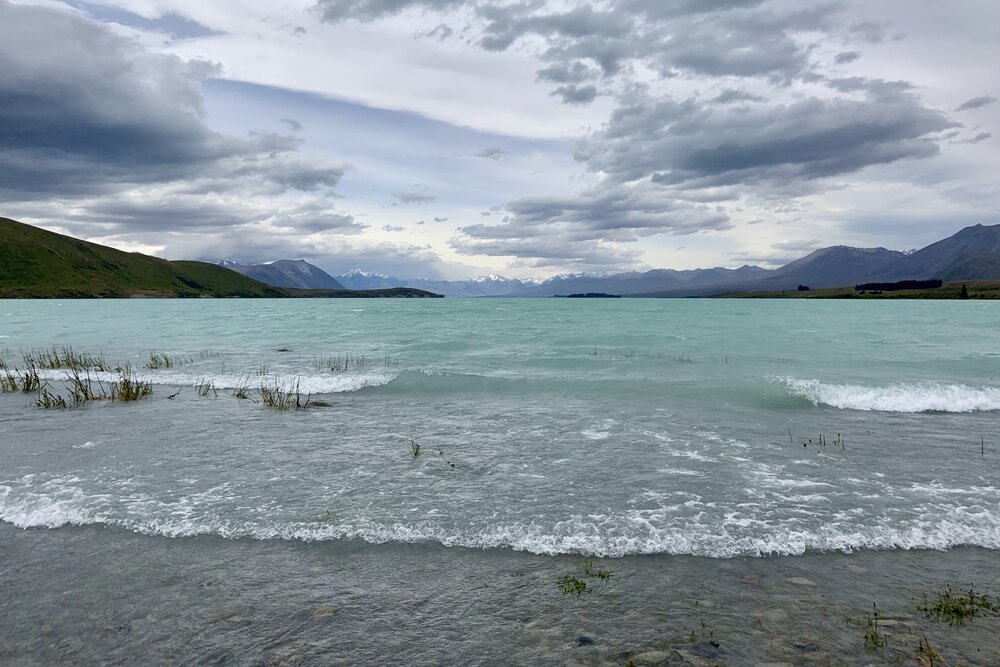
(8, 380)
(128, 387)
(415, 448)
(957, 609)
(81, 387)
(927, 655)
(588, 569)
(66, 357)
(570, 585)
(47, 399)
(262, 370)
(275, 395)
(28, 380)
(206, 387)
(873, 638)
(242, 389)
(158, 360)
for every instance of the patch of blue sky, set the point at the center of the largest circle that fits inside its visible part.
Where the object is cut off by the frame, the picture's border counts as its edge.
(395, 151)
(172, 24)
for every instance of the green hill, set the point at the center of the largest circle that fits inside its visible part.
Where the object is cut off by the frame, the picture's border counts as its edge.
(41, 264)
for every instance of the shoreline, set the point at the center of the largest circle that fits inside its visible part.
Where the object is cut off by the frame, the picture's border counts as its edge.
(98, 594)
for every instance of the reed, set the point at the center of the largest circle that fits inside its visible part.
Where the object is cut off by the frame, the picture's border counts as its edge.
(275, 395)
(81, 387)
(8, 380)
(29, 380)
(66, 357)
(873, 638)
(206, 387)
(415, 448)
(242, 390)
(47, 399)
(157, 360)
(128, 387)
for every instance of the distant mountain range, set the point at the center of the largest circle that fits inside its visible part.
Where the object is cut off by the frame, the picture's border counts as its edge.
(971, 254)
(296, 273)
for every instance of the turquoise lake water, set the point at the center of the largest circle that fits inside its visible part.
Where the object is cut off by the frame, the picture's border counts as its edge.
(594, 427)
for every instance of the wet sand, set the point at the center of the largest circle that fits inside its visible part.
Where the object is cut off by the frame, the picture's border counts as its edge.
(96, 595)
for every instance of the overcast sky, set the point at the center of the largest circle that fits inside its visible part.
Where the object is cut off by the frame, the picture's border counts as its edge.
(449, 138)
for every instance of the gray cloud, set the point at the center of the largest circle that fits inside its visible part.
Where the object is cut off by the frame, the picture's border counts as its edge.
(845, 57)
(733, 95)
(293, 125)
(414, 197)
(492, 153)
(370, 10)
(976, 103)
(576, 94)
(687, 145)
(588, 228)
(574, 72)
(98, 113)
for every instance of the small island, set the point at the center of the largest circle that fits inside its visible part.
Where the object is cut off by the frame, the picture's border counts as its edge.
(587, 295)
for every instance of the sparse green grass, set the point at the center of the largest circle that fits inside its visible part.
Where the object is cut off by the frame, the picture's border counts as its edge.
(957, 609)
(28, 380)
(81, 387)
(928, 656)
(159, 360)
(66, 358)
(874, 639)
(206, 387)
(47, 399)
(128, 387)
(242, 390)
(275, 395)
(8, 380)
(570, 585)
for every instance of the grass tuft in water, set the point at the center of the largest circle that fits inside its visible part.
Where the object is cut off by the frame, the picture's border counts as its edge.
(128, 387)
(957, 609)
(206, 387)
(242, 389)
(55, 358)
(81, 387)
(570, 585)
(8, 380)
(47, 399)
(415, 448)
(275, 395)
(873, 638)
(28, 379)
(928, 656)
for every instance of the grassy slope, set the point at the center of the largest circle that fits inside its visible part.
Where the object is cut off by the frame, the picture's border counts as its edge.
(38, 263)
(978, 289)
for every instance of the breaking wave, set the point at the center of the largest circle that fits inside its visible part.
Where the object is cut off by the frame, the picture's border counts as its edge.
(615, 535)
(906, 397)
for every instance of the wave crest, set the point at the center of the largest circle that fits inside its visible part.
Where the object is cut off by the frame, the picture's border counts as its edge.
(904, 397)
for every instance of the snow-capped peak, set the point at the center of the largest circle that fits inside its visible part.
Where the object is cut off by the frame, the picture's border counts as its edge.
(359, 273)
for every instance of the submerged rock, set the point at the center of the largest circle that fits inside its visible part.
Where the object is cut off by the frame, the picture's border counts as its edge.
(584, 640)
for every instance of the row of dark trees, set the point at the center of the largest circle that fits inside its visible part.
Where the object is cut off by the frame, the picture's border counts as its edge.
(902, 284)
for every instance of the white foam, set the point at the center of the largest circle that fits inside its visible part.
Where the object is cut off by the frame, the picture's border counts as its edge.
(61, 502)
(907, 397)
(307, 384)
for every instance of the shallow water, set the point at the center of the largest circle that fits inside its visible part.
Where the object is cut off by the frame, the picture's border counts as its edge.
(558, 429)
